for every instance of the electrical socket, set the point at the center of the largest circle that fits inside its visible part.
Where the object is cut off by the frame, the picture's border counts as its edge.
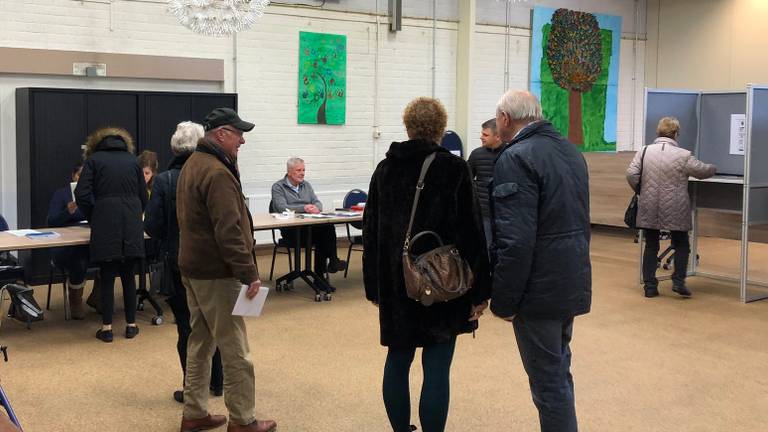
(376, 133)
(80, 68)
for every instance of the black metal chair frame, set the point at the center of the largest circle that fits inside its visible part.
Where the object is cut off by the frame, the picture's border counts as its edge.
(355, 242)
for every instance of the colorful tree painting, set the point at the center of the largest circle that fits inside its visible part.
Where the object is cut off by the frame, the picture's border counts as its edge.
(322, 78)
(574, 55)
(575, 74)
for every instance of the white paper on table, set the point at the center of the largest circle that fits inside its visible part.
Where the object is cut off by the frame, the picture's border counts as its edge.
(250, 307)
(738, 133)
(22, 232)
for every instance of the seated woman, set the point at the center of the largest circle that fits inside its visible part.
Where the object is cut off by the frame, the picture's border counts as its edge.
(63, 211)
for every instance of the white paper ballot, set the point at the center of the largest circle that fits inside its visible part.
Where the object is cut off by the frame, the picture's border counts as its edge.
(738, 133)
(250, 307)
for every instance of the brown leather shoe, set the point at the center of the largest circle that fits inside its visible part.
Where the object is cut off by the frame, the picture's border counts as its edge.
(256, 426)
(206, 423)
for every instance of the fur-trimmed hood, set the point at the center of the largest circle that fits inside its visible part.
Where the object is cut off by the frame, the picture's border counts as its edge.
(108, 138)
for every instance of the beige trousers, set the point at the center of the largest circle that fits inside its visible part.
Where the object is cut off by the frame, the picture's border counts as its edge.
(210, 316)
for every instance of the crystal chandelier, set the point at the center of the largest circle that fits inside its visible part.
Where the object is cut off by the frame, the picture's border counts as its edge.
(217, 17)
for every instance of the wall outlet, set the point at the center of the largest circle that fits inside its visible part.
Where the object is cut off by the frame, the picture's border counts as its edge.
(89, 69)
(376, 133)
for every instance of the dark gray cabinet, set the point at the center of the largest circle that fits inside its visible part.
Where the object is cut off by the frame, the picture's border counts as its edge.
(51, 127)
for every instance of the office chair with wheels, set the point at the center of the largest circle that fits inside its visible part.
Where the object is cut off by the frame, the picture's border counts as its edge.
(353, 198)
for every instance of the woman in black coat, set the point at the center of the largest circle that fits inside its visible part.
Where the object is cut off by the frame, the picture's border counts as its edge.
(449, 207)
(161, 223)
(112, 194)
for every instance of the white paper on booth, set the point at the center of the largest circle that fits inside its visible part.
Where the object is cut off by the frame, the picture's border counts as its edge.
(250, 307)
(738, 133)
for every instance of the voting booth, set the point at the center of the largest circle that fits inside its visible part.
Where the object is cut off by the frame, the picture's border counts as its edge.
(728, 129)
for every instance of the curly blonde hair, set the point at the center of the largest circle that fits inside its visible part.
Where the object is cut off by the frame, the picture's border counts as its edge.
(425, 118)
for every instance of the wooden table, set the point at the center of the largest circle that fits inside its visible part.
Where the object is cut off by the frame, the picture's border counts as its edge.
(75, 236)
(303, 227)
(70, 236)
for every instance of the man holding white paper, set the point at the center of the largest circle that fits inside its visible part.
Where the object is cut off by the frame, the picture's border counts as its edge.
(216, 259)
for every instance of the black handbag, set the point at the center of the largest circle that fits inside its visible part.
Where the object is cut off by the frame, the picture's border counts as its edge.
(630, 215)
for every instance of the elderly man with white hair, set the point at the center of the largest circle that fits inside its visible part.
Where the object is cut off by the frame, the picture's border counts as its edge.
(294, 193)
(542, 275)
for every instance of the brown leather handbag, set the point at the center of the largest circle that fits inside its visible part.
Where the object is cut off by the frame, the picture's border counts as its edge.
(440, 274)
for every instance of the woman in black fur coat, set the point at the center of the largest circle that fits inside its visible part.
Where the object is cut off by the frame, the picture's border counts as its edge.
(449, 207)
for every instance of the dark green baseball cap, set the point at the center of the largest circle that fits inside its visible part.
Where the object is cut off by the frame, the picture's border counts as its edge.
(226, 117)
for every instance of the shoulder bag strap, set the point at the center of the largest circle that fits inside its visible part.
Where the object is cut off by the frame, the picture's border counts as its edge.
(419, 187)
(640, 181)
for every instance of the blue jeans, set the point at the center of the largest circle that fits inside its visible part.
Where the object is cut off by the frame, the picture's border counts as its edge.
(546, 354)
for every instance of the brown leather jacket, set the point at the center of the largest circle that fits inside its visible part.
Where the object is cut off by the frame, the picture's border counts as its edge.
(215, 231)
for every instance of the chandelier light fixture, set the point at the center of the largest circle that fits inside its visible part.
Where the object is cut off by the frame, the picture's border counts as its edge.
(217, 17)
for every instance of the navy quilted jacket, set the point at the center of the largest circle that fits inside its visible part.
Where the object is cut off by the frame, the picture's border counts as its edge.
(541, 231)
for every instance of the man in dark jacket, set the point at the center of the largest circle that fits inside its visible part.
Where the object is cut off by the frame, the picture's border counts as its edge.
(542, 272)
(216, 259)
(481, 162)
(63, 211)
(161, 224)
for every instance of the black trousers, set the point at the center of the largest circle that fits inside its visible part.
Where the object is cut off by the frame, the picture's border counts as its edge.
(180, 309)
(74, 260)
(324, 240)
(682, 247)
(109, 271)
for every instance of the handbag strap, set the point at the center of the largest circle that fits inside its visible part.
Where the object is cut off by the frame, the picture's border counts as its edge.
(640, 181)
(419, 187)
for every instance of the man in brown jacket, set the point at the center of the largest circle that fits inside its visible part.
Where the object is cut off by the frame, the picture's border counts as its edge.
(216, 258)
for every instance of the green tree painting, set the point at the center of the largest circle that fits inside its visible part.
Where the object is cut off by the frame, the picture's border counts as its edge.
(322, 78)
(574, 57)
(574, 72)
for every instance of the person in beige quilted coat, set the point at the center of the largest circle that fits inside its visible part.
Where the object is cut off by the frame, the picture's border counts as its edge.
(664, 203)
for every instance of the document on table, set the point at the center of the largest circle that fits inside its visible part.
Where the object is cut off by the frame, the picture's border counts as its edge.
(250, 307)
(22, 232)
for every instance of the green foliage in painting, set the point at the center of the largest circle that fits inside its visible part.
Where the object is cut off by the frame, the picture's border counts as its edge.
(322, 78)
(593, 105)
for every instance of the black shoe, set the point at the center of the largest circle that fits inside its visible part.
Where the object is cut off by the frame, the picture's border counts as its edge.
(105, 335)
(682, 290)
(336, 265)
(651, 292)
(217, 391)
(131, 332)
(178, 396)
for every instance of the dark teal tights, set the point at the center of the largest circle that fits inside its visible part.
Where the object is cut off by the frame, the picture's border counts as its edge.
(435, 392)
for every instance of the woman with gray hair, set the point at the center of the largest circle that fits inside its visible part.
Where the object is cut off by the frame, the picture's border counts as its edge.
(160, 222)
(663, 169)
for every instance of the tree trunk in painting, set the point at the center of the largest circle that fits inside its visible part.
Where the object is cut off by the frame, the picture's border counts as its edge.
(321, 113)
(575, 128)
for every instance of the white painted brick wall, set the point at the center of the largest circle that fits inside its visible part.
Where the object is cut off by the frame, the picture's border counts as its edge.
(339, 158)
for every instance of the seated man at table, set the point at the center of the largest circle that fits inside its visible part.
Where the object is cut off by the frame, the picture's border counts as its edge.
(62, 211)
(292, 192)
